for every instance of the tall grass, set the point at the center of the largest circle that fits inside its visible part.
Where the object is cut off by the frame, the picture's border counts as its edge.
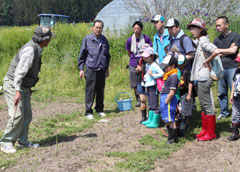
(59, 76)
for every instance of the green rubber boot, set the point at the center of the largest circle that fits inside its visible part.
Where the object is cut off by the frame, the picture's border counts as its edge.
(150, 116)
(155, 121)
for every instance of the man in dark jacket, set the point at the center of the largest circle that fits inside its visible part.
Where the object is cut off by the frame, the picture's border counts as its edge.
(20, 78)
(94, 53)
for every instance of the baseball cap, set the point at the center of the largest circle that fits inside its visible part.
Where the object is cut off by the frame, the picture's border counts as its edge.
(197, 22)
(172, 22)
(169, 59)
(158, 18)
(43, 32)
(142, 47)
(181, 59)
(148, 52)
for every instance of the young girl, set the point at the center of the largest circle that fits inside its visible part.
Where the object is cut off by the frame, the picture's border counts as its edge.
(168, 101)
(201, 73)
(141, 71)
(153, 72)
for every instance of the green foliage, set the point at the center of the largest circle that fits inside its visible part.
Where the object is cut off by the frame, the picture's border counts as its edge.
(25, 12)
(7, 163)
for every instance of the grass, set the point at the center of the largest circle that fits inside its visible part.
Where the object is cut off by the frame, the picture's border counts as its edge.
(60, 82)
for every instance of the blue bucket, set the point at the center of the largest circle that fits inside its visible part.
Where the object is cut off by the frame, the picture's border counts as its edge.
(124, 105)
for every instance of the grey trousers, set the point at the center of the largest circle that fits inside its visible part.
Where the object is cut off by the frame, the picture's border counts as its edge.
(17, 128)
(236, 111)
(205, 97)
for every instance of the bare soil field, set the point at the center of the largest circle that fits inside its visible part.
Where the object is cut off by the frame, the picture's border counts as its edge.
(85, 151)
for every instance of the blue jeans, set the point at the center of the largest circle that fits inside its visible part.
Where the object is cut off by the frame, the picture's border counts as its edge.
(223, 85)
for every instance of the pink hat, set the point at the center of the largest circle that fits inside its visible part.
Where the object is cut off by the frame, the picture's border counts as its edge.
(238, 57)
(148, 52)
(197, 22)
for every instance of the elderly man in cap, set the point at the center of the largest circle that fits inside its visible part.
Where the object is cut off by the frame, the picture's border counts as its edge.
(179, 41)
(161, 38)
(20, 78)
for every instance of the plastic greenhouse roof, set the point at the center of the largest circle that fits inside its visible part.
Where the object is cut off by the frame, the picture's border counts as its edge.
(117, 15)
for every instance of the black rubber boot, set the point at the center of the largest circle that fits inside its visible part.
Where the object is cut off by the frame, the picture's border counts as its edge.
(172, 135)
(183, 126)
(235, 133)
(144, 116)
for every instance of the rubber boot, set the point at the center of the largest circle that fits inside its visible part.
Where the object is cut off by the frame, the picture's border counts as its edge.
(172, 135)
(183, 126)
(150, 116)
(235, 133)
(204, 126)
(144, 116)
(211, 127)
(155, 121)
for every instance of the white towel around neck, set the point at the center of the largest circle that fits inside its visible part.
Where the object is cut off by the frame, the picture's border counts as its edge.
(134, 42)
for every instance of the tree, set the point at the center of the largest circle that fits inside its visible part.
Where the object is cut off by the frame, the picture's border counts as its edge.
(206, 9)
(6, 17)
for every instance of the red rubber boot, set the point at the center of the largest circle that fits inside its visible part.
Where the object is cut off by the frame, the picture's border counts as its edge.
(211, 127)
(204, 126)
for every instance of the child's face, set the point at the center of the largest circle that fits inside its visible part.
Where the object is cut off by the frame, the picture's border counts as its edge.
(182, 66)
(148, 59)
(168, 68)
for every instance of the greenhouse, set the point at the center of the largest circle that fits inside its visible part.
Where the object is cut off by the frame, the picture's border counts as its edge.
(117, 15)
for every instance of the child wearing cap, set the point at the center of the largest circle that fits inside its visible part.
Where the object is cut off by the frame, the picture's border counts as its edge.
(235, 100)
(153, 71)
(186, 100)
(141, 71)
(168, 101)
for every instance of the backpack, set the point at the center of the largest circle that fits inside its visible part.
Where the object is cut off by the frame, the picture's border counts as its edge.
(181, 42)
(160, 83)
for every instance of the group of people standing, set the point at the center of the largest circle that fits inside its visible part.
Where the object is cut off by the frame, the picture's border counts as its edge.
(182, 68)
(174, 67)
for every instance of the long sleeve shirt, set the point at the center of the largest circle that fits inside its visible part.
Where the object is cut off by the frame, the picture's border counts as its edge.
(94, 53)
(200, 73)
(157, 73)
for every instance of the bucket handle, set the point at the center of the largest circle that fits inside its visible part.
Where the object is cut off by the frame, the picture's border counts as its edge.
(123, 93)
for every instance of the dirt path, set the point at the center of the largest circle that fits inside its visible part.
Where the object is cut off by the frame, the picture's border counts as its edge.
(85, 151)
(40, 110)
(213, 156)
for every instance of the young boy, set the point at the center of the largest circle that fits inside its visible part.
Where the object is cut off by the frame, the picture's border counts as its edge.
(186, 100)
(168, 101)
(235, 100)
